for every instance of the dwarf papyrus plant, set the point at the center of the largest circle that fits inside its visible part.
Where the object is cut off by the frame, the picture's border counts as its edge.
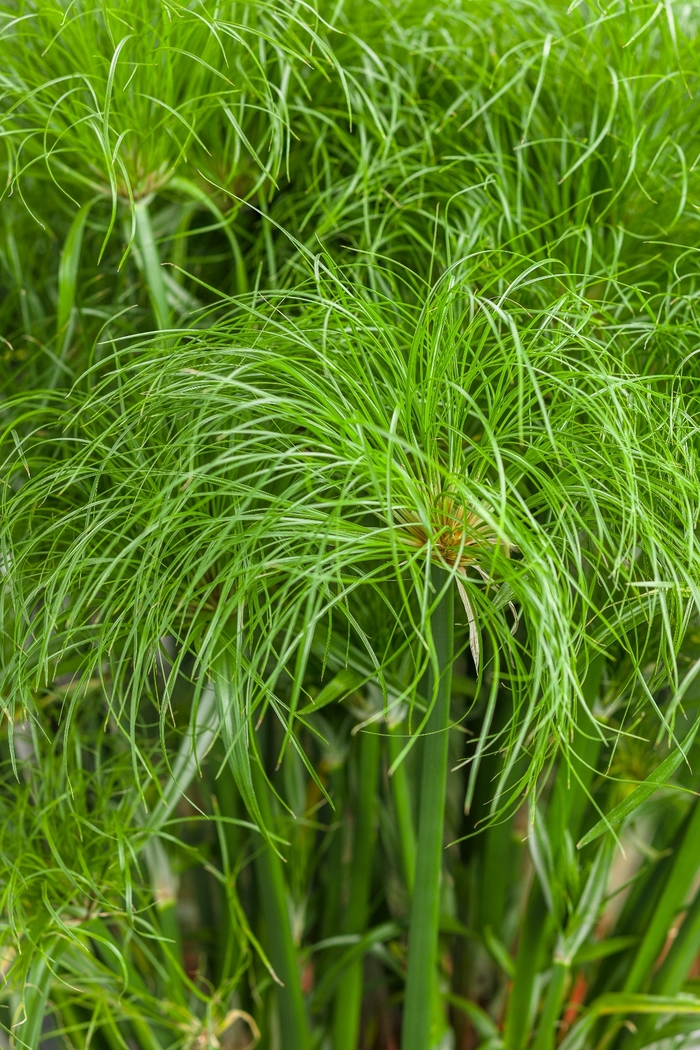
(89, 927)
(491, 456)
(552, 131)
(117, 104)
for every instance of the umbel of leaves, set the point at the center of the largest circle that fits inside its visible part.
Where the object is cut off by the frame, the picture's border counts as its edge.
(245, 489)
(117, 98)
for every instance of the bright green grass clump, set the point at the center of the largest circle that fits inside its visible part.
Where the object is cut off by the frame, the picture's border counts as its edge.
(348, 529)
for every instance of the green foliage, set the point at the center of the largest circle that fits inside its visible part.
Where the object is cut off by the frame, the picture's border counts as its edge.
(348, 530)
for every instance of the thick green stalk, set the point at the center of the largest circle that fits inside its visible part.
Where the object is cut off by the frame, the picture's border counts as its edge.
(547, 1027)
(72, 1026)
(68, 269)
(165, 895)
(27, 1032)
(334, 876)
(684, 870)
(401, 791)
(566, 812)
(80, 1034)
(491, 852)
(172, 948)
(194, 191)
(677, 878)
(681, 955)
(281, 950)
(672, 973)
(425, 903)
(146, 1040)
(348, 1003)
(527, 962)
(268, 242)
(231, 940)
(152, 270)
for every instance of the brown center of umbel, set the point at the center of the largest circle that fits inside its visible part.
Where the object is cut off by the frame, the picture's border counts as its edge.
(456, 536)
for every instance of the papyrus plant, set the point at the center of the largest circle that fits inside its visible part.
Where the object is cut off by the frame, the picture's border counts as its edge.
(121, 105)
(554, 131)
(492, 459)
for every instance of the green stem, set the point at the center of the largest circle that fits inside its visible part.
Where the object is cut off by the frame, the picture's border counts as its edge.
(268, 241)
(281, 950)
(73, 1027)
(172, 949)
(202, 197)
(334, 875)
(681, 955)
(348, 1003)
(547, 1028)
(532, 928)
(143, 1032)
(27, 1033)
(229, 954)
(567, 810)
(673, 972)
(425, 903)
(165, 895)
(401, 792)
(684, 870)
(679, 876)
(151, 266)
(68, 269)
